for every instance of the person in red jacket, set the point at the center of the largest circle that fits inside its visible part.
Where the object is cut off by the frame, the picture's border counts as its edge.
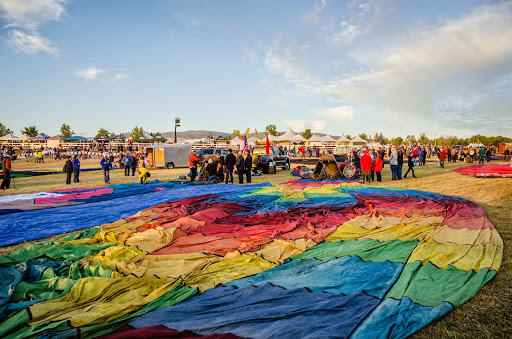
(377, 167)
(442, 156)
(366, 166)
(192, 164)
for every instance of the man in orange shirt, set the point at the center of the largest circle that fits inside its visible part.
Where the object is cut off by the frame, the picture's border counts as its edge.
(6, 170)
(192, 164)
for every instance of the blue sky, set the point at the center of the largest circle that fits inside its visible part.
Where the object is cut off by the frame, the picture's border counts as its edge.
(361, 66)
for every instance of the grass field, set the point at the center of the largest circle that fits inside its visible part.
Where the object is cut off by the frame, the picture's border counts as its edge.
(488, 315)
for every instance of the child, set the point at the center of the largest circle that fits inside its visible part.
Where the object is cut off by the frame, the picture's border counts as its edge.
(410, 163)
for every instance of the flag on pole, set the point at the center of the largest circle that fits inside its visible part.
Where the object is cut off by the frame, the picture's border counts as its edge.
(247, 133)
(255, 133)
(267, 146)
(246, 146)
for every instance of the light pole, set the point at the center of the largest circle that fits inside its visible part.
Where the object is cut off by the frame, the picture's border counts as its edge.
(176, 124)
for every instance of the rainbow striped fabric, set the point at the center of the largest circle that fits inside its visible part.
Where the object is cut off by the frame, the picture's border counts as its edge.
(301, 259)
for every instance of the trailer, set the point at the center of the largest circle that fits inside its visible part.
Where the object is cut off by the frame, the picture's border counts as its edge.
(170, 156)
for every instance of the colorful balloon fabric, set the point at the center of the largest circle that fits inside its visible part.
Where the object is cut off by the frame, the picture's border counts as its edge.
(301, 259)
(491, 171)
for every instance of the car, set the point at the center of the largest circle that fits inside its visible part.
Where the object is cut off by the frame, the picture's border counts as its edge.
(276, 155)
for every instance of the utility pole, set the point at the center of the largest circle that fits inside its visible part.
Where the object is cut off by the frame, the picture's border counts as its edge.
(176, 124)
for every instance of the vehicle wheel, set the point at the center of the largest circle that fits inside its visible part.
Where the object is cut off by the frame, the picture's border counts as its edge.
(170, 165)
(286, 166)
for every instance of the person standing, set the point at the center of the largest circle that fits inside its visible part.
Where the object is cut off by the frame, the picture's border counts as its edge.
(400, 159)
(68, 168)
(442, 156)
(366, 167)
(377, 167)
(248, 167)
(76, 169)
(410, 163)
(393, 162)
(192, 165)
(127, 160)
(481, 156)
(106, 165)
(133, 164)
(240, 167)
(6, 170)
(230, 165)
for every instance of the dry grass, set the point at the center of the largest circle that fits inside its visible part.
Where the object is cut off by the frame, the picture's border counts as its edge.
(485, 316)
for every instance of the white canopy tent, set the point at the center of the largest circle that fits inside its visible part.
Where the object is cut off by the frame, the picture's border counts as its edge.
(358, 139)
(299, 138)
(327, 138)
(288, 136)
(315, 138)
(343, 138)
(10, 137)
(252, 140)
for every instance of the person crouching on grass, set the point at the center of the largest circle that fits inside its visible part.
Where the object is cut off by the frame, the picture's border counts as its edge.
(143, 175)
(211, 168)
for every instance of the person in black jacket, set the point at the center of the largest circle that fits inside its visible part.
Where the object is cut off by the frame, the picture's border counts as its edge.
(400, 162)
(133, 163)
(410, 163)
(211, 168)
(68, 168)
(248, 167)
(230, 165)
(240, 167)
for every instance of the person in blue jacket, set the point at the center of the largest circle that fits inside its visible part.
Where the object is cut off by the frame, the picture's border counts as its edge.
(106, 166)
(127, 161)
(76, 169)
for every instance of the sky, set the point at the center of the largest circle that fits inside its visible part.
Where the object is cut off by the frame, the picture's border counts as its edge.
(401, 67)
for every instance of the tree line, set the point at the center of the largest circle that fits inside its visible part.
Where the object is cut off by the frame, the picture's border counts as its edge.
(138, 132)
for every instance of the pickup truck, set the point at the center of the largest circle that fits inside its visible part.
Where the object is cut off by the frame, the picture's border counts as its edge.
(276, 155)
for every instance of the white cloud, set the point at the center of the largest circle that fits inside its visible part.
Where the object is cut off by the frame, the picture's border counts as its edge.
(24, 17)
(121, 76)
(459, 58)
(318, 125)
(346, 34)
(89, 73)
(30, 14)
(338, 113)
(363, 15)
(296, 125)
(30, 43)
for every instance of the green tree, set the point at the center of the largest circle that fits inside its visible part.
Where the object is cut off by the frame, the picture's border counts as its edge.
(228, 137)
(379, 137)
(348, 136)
(423, 139)
(410, 139)
(209, 136)
(4, 130)
(65, 131)
(154, 134)
(271, 129)
(102, 132)
(397, 141)
(30, 131)
(307, 133)
(137, 132)
(236, 133)
(364, 136)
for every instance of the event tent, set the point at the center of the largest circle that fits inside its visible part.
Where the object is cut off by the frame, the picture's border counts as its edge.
(328, 138)
(9, 137)
(40, 137)
(77, 137)
(299, 138)
(343, 138)
(288, 136)
(359, 139)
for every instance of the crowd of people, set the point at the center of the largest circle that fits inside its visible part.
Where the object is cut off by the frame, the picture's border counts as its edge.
(221, 169)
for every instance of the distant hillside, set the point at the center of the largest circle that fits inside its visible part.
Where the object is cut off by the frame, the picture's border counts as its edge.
(198, 134)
